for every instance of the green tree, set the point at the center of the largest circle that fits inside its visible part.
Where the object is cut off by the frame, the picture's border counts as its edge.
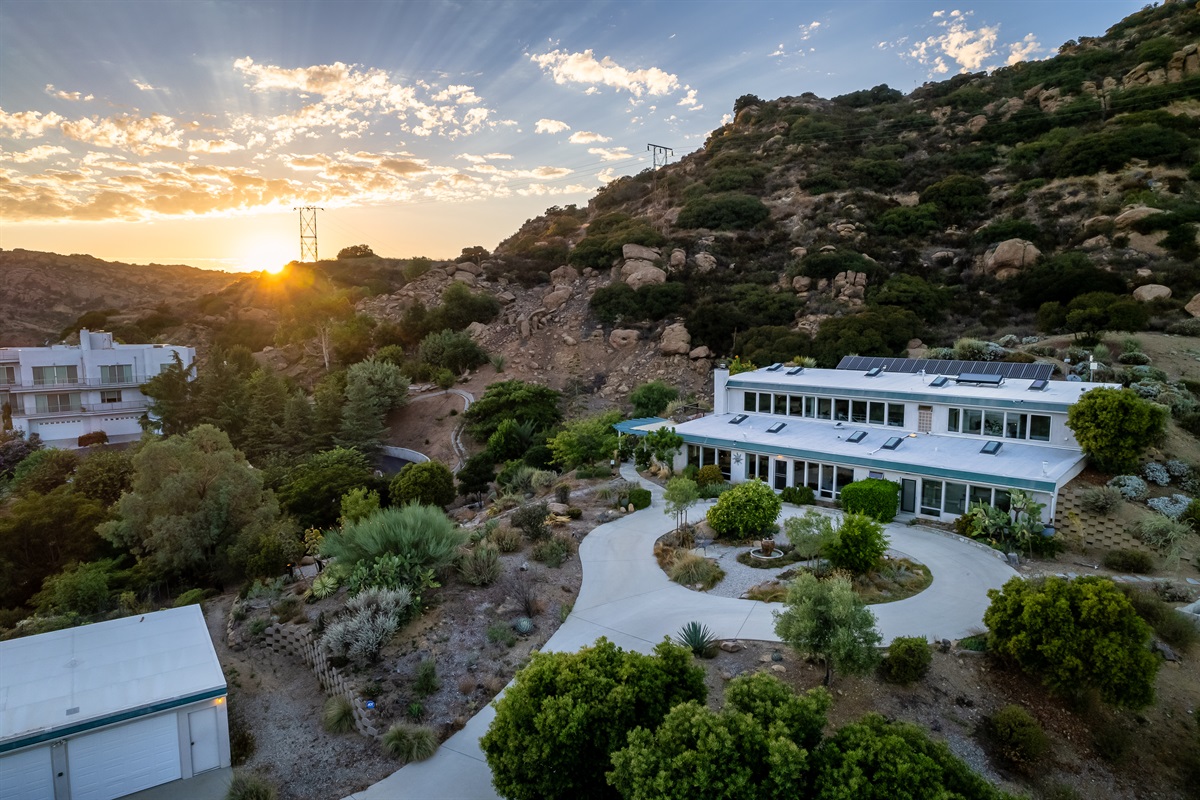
(78, 589)
(914, 293)
(882, 331)
(358, 504)
(827, 620)
(558, 724)
(758, 747)
(681, 494)
(355, 251)
(1075, 635)
(958, 196)
(476, 475)
(515, 400)
(297, 431)
(41, 534)
(874, 759)
(220, 395)
(510, 440)
(859, 546)
(747, 509)
(452, 350)
(43, 470)
(651, 399)
(373, 388)
(585, 441)
(430, 483)
(170, 410)
(1115, 426)
(103, 475)
(312, 490)
(15, 448)
(329, 398)
(263, 431)
(199, 512)
(664, 443)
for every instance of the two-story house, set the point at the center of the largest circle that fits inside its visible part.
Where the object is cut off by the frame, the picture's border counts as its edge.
(948, 440)
(65, 391)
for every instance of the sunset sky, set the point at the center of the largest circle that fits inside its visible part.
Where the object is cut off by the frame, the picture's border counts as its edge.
(186, 132)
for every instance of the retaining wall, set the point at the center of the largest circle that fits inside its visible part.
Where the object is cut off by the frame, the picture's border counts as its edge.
(1102, 532)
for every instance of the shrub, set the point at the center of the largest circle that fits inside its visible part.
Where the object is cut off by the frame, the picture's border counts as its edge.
(93, 438)
(651, 399)
(709, 474)
(1169, 624)
(1155, 472)
(409, 742)
(481, 565)
(1131, 487)
(1102, 499)
(697, 637)
(798, 495)
(1075, 635)
(745, 510)
(338, 715)
(1165, 534)
(827, 620)
(1018, 736)
(250, 786)
(422, 535)
(873, 497)
(554, 551)
(639, 498)
(531, 519)
(190, 597)
(507, 540)
(907, 661)
(369, 621)
(714, 490)
(723, 212)
(692, 569)
(455, 351)
(426, 681)
(1114, 426)
(501, 634)
(430, 483)
(1173, 507)
(859, 546)
(1134, 561)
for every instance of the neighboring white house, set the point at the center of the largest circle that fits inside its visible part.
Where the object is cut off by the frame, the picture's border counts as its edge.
(106, 710)
(948, 440)
(65, 391)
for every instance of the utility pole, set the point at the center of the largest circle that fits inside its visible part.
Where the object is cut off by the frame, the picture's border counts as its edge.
(660, 155)
(308, 232)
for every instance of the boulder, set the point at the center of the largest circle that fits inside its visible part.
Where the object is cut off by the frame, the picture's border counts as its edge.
(467, 266)
(462, 276)
(640, 252)
(506, 297)
(633, 265)
(678, 259)
(622, 338)
(1132, 215)
(476, 329)
(975, 124)
(1010, 257)
(555, 299)
(705, 262)
(1151, 292)
(564, 275)
(704, 352)
(646, 277)
(558, 508)
(801, 283)
(1193, 306)
(675, 341)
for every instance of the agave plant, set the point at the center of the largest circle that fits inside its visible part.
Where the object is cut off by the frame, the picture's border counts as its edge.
(697, 637)
(523, 625)
(323, 586)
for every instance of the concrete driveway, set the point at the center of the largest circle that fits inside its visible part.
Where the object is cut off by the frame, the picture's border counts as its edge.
(626, 597)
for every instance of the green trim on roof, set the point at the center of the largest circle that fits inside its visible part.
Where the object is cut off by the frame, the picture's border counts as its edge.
(943, 399)
(111, 719)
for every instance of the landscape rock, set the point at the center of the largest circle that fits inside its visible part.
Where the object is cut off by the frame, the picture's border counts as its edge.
(1193, 306)
(731, 646)
(801, 283)
(678, 259)
(555, 299)
(1164, 650)
(1010, 257)
(1131, 215)
(564, 275)
(1151, 292)
(557, 508)
(700, 352)
(705, 262)
(675, 341)
(633, 265)
(506, 297)
(477, 329)
(622, 338)
(646, 277)
(976, 123)
(638, 251)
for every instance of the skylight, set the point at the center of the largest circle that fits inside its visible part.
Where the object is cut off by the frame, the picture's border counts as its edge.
(892, 443)
(991, 448)
(856, 437)
(795, 370)
(939, 381)
(739, 419)
(1039, 385)
(981, 378)
(777, 427)
(775, 367)
(873, 371)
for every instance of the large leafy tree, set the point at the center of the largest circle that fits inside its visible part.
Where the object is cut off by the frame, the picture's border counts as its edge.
(1075, 635)
(827, 620)
(745, 510)
(1115, 426)
(103, 475)
(312, 490)
(373, 388)
(171, 409)
(197, 511)
(263, 430)
(15, 448)
(430, 483)
(758, 747)
(859, 545)
(585, 441)
(516, 400)
(565, 714)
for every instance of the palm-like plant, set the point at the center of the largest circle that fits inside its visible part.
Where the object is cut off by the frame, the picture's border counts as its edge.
(698, 638)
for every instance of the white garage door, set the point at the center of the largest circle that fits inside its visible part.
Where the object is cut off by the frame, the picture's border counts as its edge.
(125, 759)
(27, 774)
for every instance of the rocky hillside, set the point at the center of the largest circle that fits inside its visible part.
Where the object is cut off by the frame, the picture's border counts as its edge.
(42, 293)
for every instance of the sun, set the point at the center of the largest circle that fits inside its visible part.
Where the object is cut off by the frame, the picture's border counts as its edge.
(264, 255)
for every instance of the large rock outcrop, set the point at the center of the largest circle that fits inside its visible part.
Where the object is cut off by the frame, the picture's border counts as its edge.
(675, 340)
(1010, 257)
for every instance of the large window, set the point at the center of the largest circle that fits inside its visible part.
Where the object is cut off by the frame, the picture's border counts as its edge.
(931, 498)
(110, 396)
(698, 456)
(1010, 425)
(824, 408)
(758, 466)
(116, 373)
(860, 412)
(55, 376)
(8, 376)
(56, 403)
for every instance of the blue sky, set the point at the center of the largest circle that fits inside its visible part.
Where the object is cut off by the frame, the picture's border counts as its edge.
(186, 132)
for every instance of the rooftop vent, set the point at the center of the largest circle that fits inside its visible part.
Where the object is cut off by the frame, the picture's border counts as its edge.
(939, 381)
(991, 448)
(873, 371)
(980, 378)
(777, 427)
(775, 367)
(892, 443)
(739, 419)
(1039, 385)
(856, 437)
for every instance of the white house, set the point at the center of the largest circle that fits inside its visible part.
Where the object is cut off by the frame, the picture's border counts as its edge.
(948, 440)
(65, 391)
(103, 711)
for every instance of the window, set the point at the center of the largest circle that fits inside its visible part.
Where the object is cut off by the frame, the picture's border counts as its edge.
(991, 448)
(956, 498)
(738, 420)
(878, 476)
(939, 381)
(111, 396)
(1039, 385)
(841, 410)
(892, 443)
(1014, 426)
(845, 477)
(723, 457)
(824, 408)
(993, 423)
(924, 419)
(856, 437)
(931, 498)
(810, 407)
(796, 405)
(750, 402)
(826, 481)
(896, 415)
(858, 411)
(1001, 500)
(764, 403)
(981, 494)
(693, 456)
(56, 403)
(777, 427)
(8, 376)
(780, 474)
(758, 467)
(972, 421)
(953, 419)
(116, 373)
(873, 371)
(781, 402)
(878, 413)
(55, 376)
(1039, 427)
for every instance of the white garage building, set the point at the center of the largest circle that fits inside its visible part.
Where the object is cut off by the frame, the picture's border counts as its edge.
(107, 710)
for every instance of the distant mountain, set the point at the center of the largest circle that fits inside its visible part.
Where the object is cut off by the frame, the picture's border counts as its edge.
(43, 293)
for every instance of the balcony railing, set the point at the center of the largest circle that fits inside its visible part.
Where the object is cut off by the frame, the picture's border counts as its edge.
(79, 408)
(82, 382)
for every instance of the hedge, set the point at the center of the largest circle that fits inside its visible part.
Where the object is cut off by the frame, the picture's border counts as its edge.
(874, 497)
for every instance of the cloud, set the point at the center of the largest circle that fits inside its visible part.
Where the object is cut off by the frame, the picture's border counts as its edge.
(584, 68)
(1022, 50)
(808, 30)
(550, 126)
(214, 146)
(139, 135)
(70, 96)
(610, 153)
(28, 124)
(689, 99)
(38, 153)
(971, 49)
(145, 87)
(588, 137)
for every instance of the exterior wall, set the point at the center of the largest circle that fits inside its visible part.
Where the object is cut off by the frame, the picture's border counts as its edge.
(95, 399)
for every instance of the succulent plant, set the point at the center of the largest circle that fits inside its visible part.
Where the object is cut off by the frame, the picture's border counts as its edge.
(523, 625)
(698, 638)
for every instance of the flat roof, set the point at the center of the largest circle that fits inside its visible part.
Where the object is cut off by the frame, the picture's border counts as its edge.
(1017, 464)
(67, 681)
(641, 425)
(908, 386)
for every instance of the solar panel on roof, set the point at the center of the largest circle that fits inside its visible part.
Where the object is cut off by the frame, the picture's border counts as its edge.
(738, 420)
(856, 437)
(892, 443)
(939, 381)
(991, 448)
(777, 427)
(934, 366)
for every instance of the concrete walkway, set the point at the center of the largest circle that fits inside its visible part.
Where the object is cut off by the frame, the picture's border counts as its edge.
(626, 597)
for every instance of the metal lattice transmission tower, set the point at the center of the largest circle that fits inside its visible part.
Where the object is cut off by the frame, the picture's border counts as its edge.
(308, 233)
(661, 156)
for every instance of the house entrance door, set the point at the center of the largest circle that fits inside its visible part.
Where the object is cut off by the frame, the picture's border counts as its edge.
(908, 496)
